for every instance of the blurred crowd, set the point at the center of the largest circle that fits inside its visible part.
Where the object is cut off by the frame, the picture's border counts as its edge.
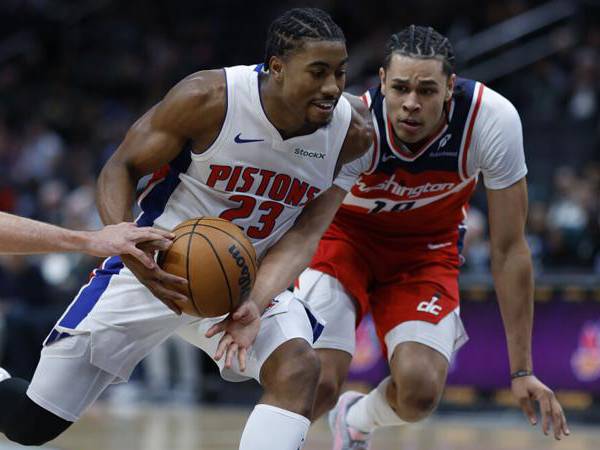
(73, 79)
(75, 75)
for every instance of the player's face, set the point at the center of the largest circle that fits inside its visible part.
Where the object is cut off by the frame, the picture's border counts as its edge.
(415, 92)
(314, 79)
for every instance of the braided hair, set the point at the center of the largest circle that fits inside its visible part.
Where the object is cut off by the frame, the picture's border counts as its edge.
(421, 42)
(289, 31)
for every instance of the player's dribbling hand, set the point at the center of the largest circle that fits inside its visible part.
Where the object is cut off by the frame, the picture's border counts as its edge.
(124, 239)
(529, 389)
(240, 330)
(163, 285)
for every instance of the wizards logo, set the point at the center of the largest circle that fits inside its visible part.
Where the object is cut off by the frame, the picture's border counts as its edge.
(585, 362)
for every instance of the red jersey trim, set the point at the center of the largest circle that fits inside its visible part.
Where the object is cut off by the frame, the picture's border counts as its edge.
(469, 135)
(157, 177)
(376, 150)
(366, 98)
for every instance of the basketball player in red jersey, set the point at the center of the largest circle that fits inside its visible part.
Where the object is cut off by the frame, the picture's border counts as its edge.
(23, 236)
(394, 245)
(265, 146)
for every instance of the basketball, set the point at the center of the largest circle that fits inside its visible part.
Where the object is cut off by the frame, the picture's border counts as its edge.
(218, 261)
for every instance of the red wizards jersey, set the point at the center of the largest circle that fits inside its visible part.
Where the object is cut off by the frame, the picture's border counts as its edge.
(394, 245)
(416, 194)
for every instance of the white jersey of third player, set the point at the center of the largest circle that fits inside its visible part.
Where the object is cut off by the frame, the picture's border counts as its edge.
(249, 175)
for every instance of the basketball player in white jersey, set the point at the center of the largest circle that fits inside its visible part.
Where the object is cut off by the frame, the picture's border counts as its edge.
(394, 246)
(23, 236)
(263, 146)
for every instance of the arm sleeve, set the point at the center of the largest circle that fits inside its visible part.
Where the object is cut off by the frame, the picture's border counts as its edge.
(350, 172)
(498, 143)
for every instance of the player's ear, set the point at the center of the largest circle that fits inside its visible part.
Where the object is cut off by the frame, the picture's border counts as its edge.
(450, 87)
(276, 68)
(382, 79)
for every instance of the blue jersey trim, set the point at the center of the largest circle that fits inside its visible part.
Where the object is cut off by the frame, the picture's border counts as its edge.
(87, 298)
(317, 327)
(153, 205)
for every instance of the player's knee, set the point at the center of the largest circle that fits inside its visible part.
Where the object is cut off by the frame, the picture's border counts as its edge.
(417, 392)
(34, 426)
(290, 377)
(302, 371)
(328, 391)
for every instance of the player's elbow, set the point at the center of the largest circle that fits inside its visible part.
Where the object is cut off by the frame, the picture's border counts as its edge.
(509, 254)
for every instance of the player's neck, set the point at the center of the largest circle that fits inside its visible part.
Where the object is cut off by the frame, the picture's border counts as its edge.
(278, 113)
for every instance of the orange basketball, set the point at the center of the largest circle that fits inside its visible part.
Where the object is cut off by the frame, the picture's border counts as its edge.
(218, 261)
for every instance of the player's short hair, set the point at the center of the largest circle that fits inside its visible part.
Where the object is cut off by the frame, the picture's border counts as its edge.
(290, 30)
(421, 42)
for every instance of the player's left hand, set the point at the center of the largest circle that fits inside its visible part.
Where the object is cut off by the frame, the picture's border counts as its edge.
(529, 389)
(240, 330)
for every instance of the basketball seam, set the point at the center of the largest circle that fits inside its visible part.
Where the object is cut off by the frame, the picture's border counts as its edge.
(222, 269)
(188, 223)
(187, 270)
(236, 240)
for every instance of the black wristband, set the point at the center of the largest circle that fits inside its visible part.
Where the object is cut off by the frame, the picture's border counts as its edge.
(521, 373)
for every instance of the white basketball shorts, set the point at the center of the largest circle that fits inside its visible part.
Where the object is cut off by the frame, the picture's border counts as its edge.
(114, 322)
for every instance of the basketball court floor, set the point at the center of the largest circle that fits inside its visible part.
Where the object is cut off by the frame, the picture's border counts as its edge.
(142, 427)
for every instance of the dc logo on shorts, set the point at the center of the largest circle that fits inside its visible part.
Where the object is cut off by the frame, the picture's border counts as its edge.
(429, 306)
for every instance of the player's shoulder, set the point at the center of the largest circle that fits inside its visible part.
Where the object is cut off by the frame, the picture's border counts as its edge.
(198, 89)
(199, 100)
(360, 132)
(496, 107)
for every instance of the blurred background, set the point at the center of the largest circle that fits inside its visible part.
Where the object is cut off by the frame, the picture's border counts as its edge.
(74, 75)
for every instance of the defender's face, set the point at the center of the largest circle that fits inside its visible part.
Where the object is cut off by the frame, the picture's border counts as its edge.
(415, 92)
(314, 79)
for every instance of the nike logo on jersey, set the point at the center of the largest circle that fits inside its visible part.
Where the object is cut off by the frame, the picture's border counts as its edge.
(441, 150)
(436, 246)
(430, 306)
(238, 139)
(444, 141)
(387, 157)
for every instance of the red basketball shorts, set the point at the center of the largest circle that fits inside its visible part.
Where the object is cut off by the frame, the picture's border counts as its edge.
(398, 280)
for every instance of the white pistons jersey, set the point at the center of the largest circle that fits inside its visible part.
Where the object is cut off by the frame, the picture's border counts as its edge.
(249, 175)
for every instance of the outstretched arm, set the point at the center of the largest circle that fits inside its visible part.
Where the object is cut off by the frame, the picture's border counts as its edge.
(20, 235)
(513, 277)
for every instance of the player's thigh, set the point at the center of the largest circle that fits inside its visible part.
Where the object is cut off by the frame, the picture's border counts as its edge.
(444, 338)
(123, 319)
(335, 306)
(423, 307)
(285, 319)
(65, 382)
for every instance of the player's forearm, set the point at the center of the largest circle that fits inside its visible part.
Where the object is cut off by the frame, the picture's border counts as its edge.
(20, 235)
(115, 193)
(513, 277)
(281, 266)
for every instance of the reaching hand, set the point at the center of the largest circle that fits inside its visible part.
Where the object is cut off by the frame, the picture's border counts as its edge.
(166, 287)
(240, 330)
(122, 239)
(529, 389)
